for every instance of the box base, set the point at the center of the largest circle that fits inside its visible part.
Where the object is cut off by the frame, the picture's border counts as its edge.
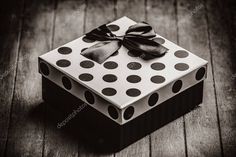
(103, 134)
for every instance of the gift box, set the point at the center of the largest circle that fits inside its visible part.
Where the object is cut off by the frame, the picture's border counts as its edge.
(133, 81)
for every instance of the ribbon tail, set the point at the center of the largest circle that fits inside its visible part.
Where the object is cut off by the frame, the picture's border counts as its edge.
(102, 50)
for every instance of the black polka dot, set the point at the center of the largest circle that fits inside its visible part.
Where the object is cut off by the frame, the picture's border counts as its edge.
(158, 66)
(177, 86)
(84, 49)
(113, 112)
(110, 65)
(115, 53)
(87, 40)
(200, 73)
(64, 50)
(153, 99)
(66, 83)
(133, 79)
(134, 65)
(109, 78)
(86, 77)
(86, 64)
(181, 54)
(109, 91)
(159, 40)
(89, 97)
(113, 27)
(158, 79)
(133, 92)
(44, 68)
(134, 53)
(181, 66)
(63, 63)
(129, 112)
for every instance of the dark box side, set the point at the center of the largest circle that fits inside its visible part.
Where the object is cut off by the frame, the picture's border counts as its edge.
(102, 134)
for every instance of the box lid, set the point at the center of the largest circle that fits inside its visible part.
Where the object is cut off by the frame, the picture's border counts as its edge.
(123, 78)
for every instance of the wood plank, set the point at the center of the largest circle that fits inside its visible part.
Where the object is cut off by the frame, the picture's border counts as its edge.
(202, 131)
(10, 28)
(228, 9)
(168, 140)
(25, 135)
(69, 21)
(224, 70)
(137, 13)
(134, 9)
(96, 14)
(138, 149)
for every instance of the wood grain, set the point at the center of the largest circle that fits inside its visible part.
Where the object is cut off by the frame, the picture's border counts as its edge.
(126, 8)
(31, 28)
(224, 69)
(98, 13)
(26, 136)
(168, 140)
(69, 21)
(10, 29)
(202, 131)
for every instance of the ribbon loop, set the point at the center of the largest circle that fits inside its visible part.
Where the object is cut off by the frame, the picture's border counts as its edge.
(138, 38)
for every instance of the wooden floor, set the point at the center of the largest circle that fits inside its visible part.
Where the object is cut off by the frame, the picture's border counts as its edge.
(32, 27)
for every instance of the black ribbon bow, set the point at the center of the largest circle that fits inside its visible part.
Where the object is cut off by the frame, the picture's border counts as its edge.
(137, 39)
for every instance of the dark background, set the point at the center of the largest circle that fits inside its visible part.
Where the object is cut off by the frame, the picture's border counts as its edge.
(29, 28)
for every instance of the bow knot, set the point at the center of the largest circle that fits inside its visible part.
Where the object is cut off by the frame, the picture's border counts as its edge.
(138, 39)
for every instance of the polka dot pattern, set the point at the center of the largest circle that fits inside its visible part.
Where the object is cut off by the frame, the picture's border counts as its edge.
(85, 77)
(109, 78)
(129, 112)
(86, 64)
(181, 66)
(181, 54)
(134, 65)
(177, 86)
(125, 76)
(200, 73)
(109, 91)
(66, 83)
(133, 78)
(64, 50)
(153, 99)
(44, 69)
(133, 92)
(113, 112)
(110, 65)
(157, 66)
(158, 79)
(63, 63)
(113, 27)
(89, 97)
